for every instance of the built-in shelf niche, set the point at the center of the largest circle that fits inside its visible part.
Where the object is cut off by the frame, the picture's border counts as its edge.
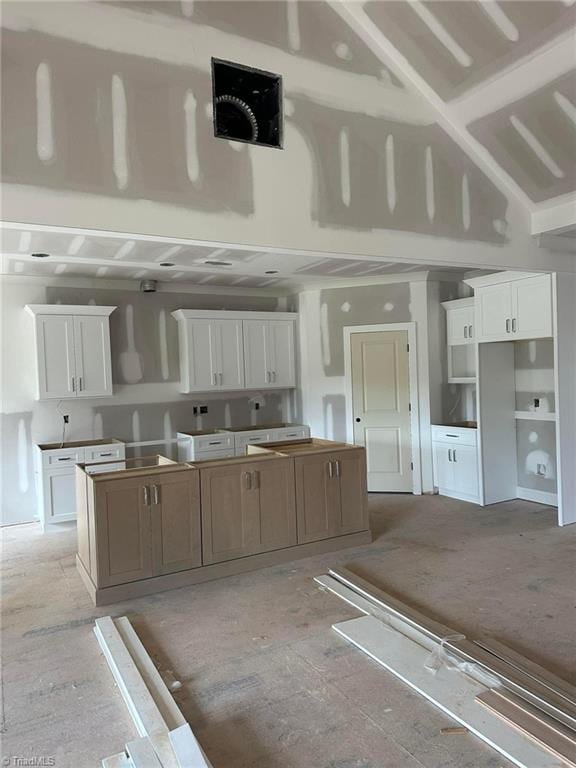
(462, 364)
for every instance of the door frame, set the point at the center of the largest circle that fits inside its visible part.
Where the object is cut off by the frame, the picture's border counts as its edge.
(413, 379)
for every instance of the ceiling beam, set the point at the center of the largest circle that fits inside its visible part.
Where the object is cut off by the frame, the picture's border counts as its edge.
(390, 56)
(556, 214)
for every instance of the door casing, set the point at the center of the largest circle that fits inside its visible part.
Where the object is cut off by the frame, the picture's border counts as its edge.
(413, 376)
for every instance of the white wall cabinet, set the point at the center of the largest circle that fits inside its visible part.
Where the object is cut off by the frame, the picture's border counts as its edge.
(459, 321)
(73, 356)
(269, 354)
(455, 455)
(55, 469)
(222, 351)
(514, 310)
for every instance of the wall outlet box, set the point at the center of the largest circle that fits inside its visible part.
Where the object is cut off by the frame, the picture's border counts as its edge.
(203, 409)
(66, 419)
(195, 410)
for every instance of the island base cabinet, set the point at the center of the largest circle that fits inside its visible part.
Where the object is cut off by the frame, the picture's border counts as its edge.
(330, 495)
(247, 509)
(147, 526)
(123, 532)
(176, 537)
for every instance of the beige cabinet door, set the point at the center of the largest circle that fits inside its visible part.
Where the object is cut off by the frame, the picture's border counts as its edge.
(274, 482)
(175, 514)
(351, 511)
(230, 513)
(381, 407)
(122, 513)
(317, 496)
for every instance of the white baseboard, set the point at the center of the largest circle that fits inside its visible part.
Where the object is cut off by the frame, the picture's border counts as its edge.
(540, 497)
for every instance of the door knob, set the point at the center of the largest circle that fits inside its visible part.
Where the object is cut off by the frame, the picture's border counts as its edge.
(358, 418)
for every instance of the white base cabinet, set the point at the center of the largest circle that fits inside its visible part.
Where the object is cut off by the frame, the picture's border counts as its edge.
(455, 456)
(73, 356)
(55, 469)
(222, 444)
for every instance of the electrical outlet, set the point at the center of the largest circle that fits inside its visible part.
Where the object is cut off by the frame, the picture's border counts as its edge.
(195, 410)
(66, 419)
(536, 402)
(203, 409)
(256, 406)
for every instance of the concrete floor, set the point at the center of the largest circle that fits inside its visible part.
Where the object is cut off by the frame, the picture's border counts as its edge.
(266, 682)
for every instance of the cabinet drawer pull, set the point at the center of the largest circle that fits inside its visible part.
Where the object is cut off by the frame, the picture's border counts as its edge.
(449, 435)
(105, 454)
(64, 458)
(146, 494)
(216, 442)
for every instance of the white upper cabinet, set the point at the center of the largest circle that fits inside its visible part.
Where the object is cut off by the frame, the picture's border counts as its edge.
(72, 351)
(459, 321)
(517, 309)
(235, 350)
(269, 354)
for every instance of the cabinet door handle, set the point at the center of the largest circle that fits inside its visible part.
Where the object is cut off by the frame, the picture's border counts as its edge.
(337, 468)
(221, 378)
(215, 379)
(454, 455)
(274, 376)
(465, 331)
(513, 325)
(146, 493)
(449, 454)
(155, 495)
(507, 325)
(80, 384)
(247, 480)
(255, 481)
(469, 331)
(73, 385)
(267, 377)
(330, 469)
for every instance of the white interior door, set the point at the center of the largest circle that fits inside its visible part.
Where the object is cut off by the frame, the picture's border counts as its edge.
(56, 368)
(92, 353)
(381, 407)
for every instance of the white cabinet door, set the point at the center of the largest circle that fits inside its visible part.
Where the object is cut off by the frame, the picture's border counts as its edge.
(55, 356)
(443, 466)
(465, 465)
(203, 358)
(257, 362)
(532, 305)
(494, 312)
(231, 355)
(281, 344)
(460, 324)
(59, 495)
(92, 353)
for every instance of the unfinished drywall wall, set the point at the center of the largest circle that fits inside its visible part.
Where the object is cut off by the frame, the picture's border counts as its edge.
(146, 405)
(108, 131)
(323, 316)
(535, 439)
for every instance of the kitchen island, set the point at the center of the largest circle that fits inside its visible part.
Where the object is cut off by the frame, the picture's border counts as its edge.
(152, 524)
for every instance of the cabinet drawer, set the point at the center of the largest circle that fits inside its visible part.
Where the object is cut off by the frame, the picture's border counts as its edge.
(454, 435)
(224, 453)
(211, 442)
(254, 438)
(61, 457)
(296, 433)
(105, 452)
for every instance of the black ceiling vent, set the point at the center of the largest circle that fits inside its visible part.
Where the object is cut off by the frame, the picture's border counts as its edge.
(247, 104)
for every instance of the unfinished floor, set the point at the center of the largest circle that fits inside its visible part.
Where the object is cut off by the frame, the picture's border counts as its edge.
(265, 682)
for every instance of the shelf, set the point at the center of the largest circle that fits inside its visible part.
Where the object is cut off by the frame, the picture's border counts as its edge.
(462, 380)
(534, 416)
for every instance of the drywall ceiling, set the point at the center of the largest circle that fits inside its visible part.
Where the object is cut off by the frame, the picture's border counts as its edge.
(501, 76)
(125, 257)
